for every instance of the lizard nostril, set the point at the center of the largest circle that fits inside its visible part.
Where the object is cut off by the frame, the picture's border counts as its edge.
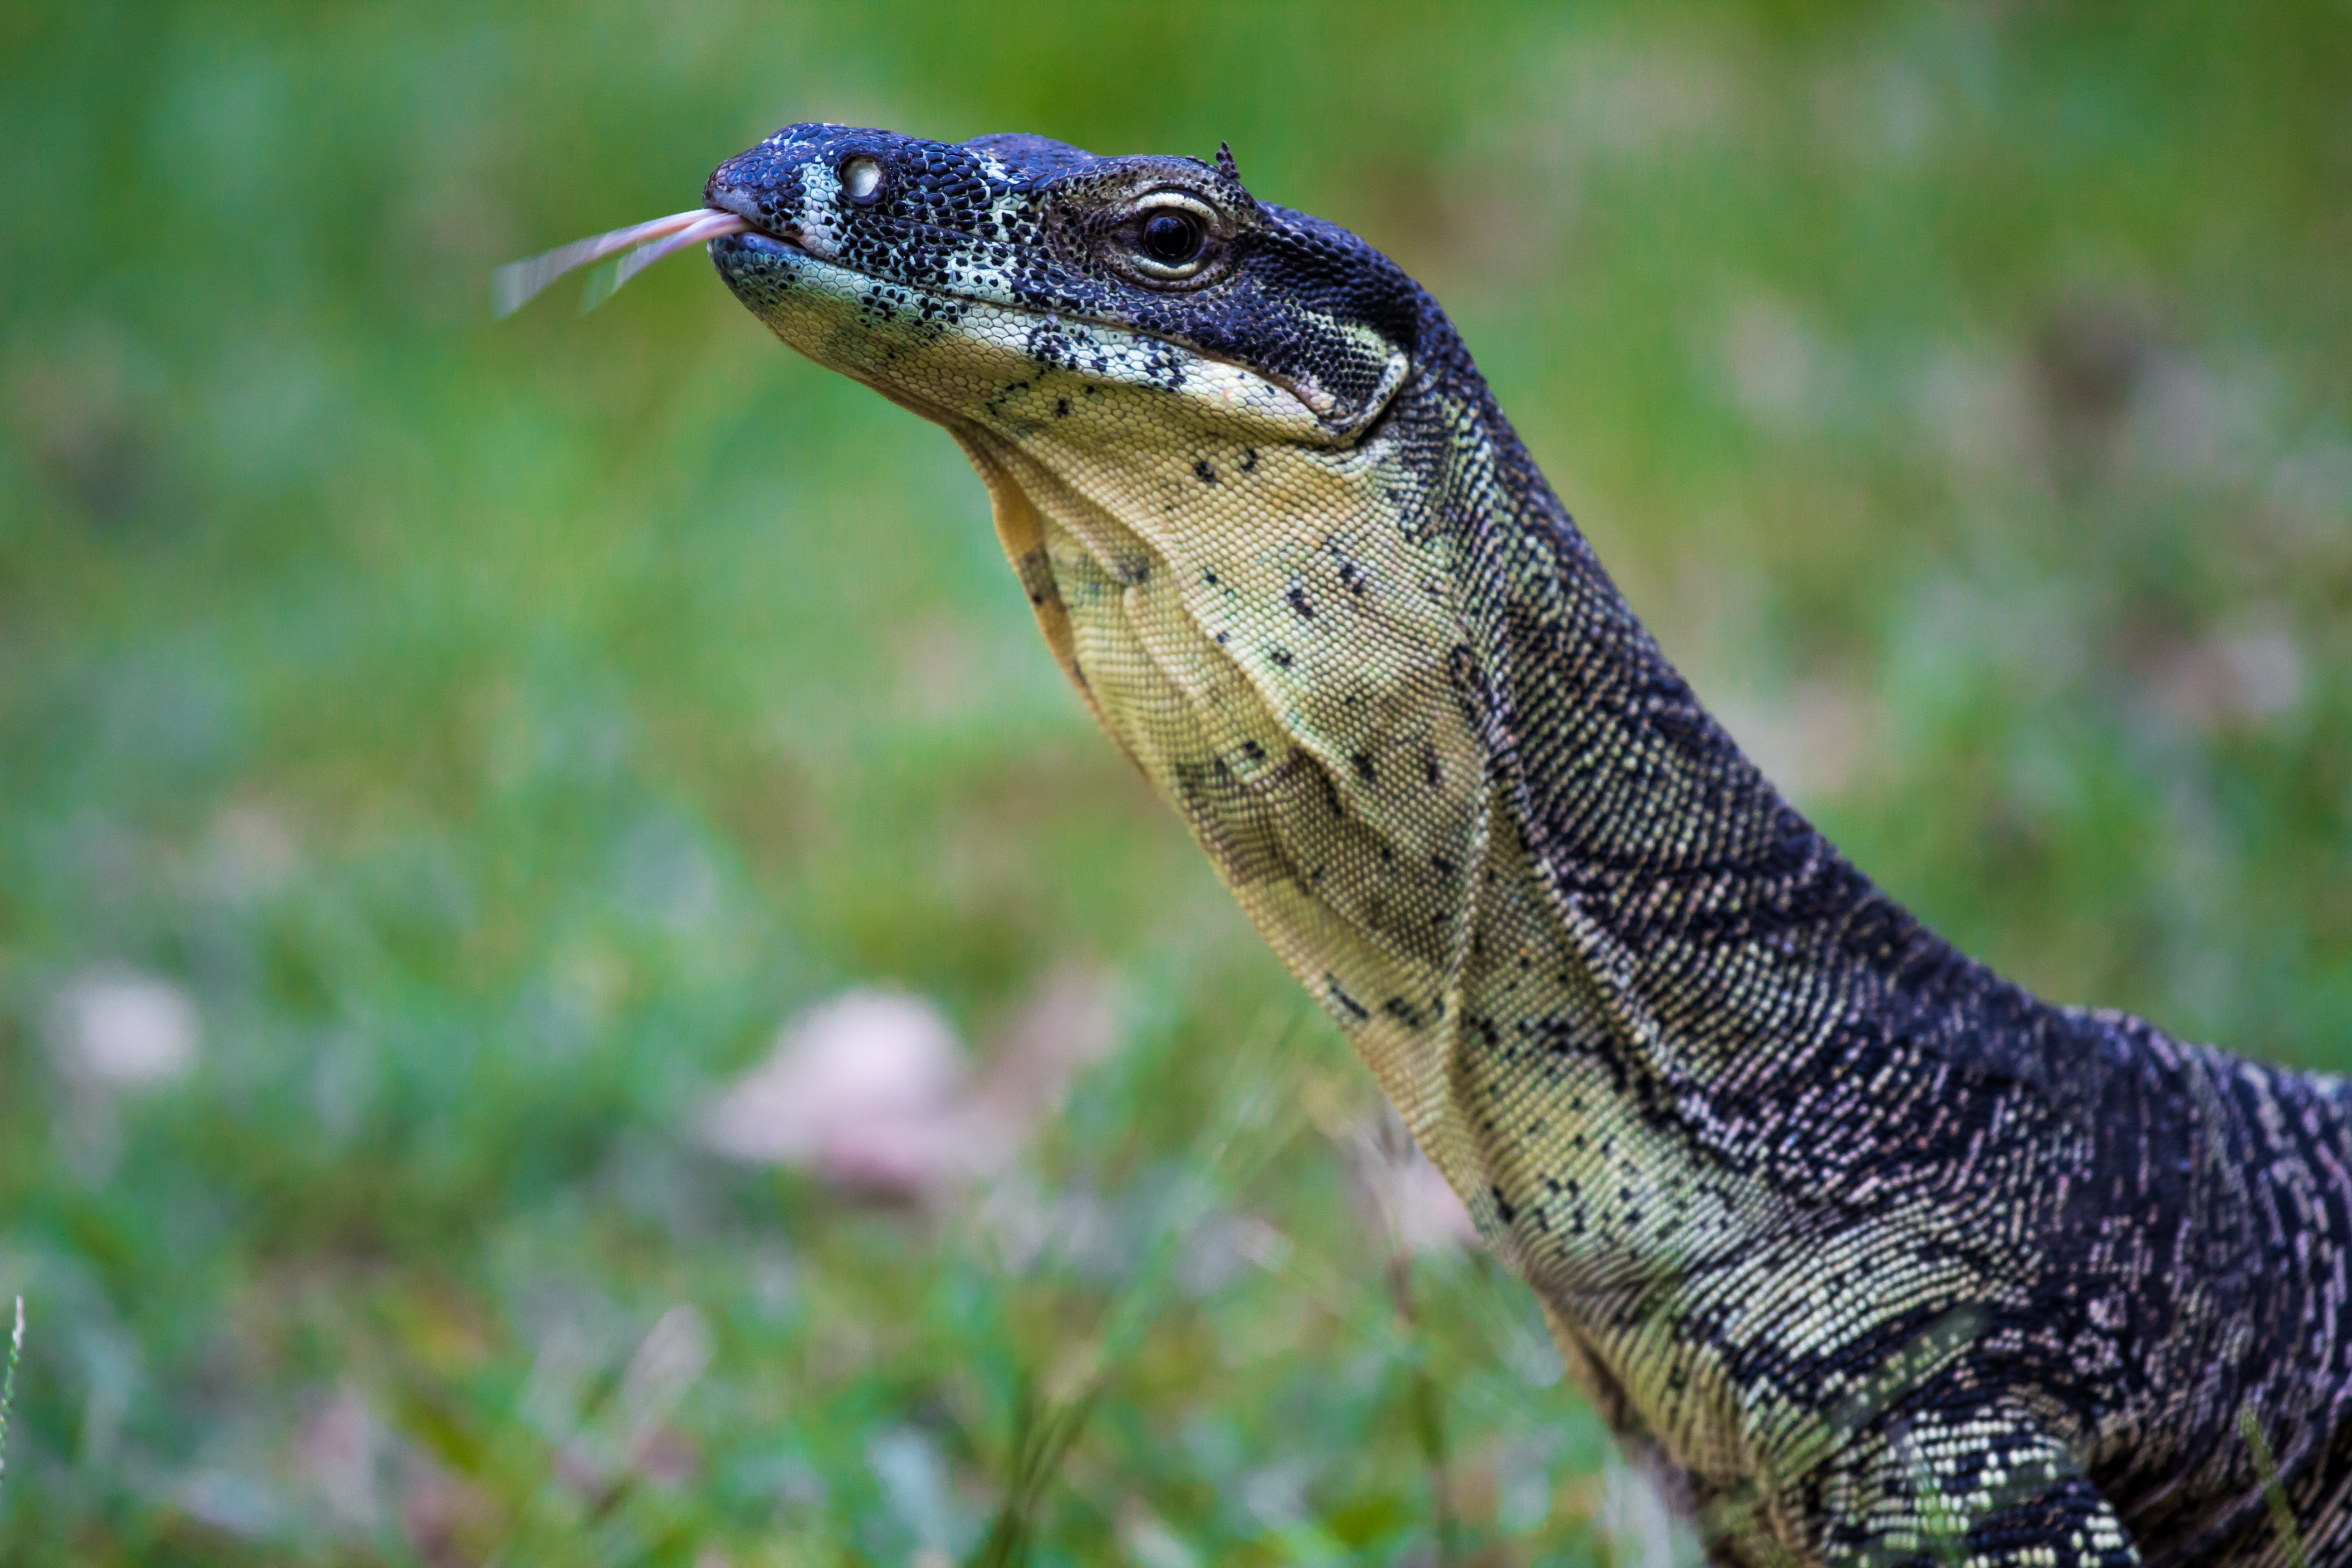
(862, 177)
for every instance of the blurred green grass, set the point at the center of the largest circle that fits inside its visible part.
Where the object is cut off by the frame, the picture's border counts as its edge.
(497, 729)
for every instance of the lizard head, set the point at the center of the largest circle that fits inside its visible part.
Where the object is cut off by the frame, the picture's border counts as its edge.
(1231, 451)
(946, 275)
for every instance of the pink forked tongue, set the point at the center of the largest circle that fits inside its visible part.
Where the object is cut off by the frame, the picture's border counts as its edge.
(512, 285)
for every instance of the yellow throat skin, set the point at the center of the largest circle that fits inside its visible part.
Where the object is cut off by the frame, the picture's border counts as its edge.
(1212, 576)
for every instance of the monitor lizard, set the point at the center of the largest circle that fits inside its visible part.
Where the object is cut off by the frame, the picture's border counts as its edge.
(1887, 1260)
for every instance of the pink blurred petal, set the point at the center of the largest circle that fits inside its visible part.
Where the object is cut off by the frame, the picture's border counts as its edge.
(870, 1090)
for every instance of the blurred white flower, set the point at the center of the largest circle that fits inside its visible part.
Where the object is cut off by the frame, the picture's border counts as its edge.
(863, 1088)
(873, 1090)
(119, 1028)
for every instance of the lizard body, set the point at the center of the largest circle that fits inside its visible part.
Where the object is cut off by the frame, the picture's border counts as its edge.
(1890, 1262)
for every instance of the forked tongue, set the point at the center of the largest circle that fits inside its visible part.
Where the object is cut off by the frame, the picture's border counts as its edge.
(513, 285)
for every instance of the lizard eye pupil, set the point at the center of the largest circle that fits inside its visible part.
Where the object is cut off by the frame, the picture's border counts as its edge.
(1171, 238)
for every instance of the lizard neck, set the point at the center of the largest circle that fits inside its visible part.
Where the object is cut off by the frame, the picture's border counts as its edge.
(1662, 947)
(1440, 764)
(1683, 875)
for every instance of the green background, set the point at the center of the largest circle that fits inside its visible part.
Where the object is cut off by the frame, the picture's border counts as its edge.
(498, 730)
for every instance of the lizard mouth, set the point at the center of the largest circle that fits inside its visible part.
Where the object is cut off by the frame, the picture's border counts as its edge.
(513, 285)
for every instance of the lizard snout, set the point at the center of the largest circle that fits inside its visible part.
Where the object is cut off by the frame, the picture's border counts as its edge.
(765, 191)
(811, 185)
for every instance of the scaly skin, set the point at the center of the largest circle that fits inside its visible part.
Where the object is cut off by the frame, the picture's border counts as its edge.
(1887, 1260)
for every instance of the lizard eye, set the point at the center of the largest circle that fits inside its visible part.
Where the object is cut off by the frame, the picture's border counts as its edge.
(1171, 238)
(861, 178)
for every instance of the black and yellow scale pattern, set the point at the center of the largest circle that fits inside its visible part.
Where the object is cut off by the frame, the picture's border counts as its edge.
(1885, 1259)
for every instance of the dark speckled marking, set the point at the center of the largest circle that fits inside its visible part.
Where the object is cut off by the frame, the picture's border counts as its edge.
(1347, 1005)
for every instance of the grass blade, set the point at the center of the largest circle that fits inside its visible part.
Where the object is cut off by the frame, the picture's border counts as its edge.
(9, 1383)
